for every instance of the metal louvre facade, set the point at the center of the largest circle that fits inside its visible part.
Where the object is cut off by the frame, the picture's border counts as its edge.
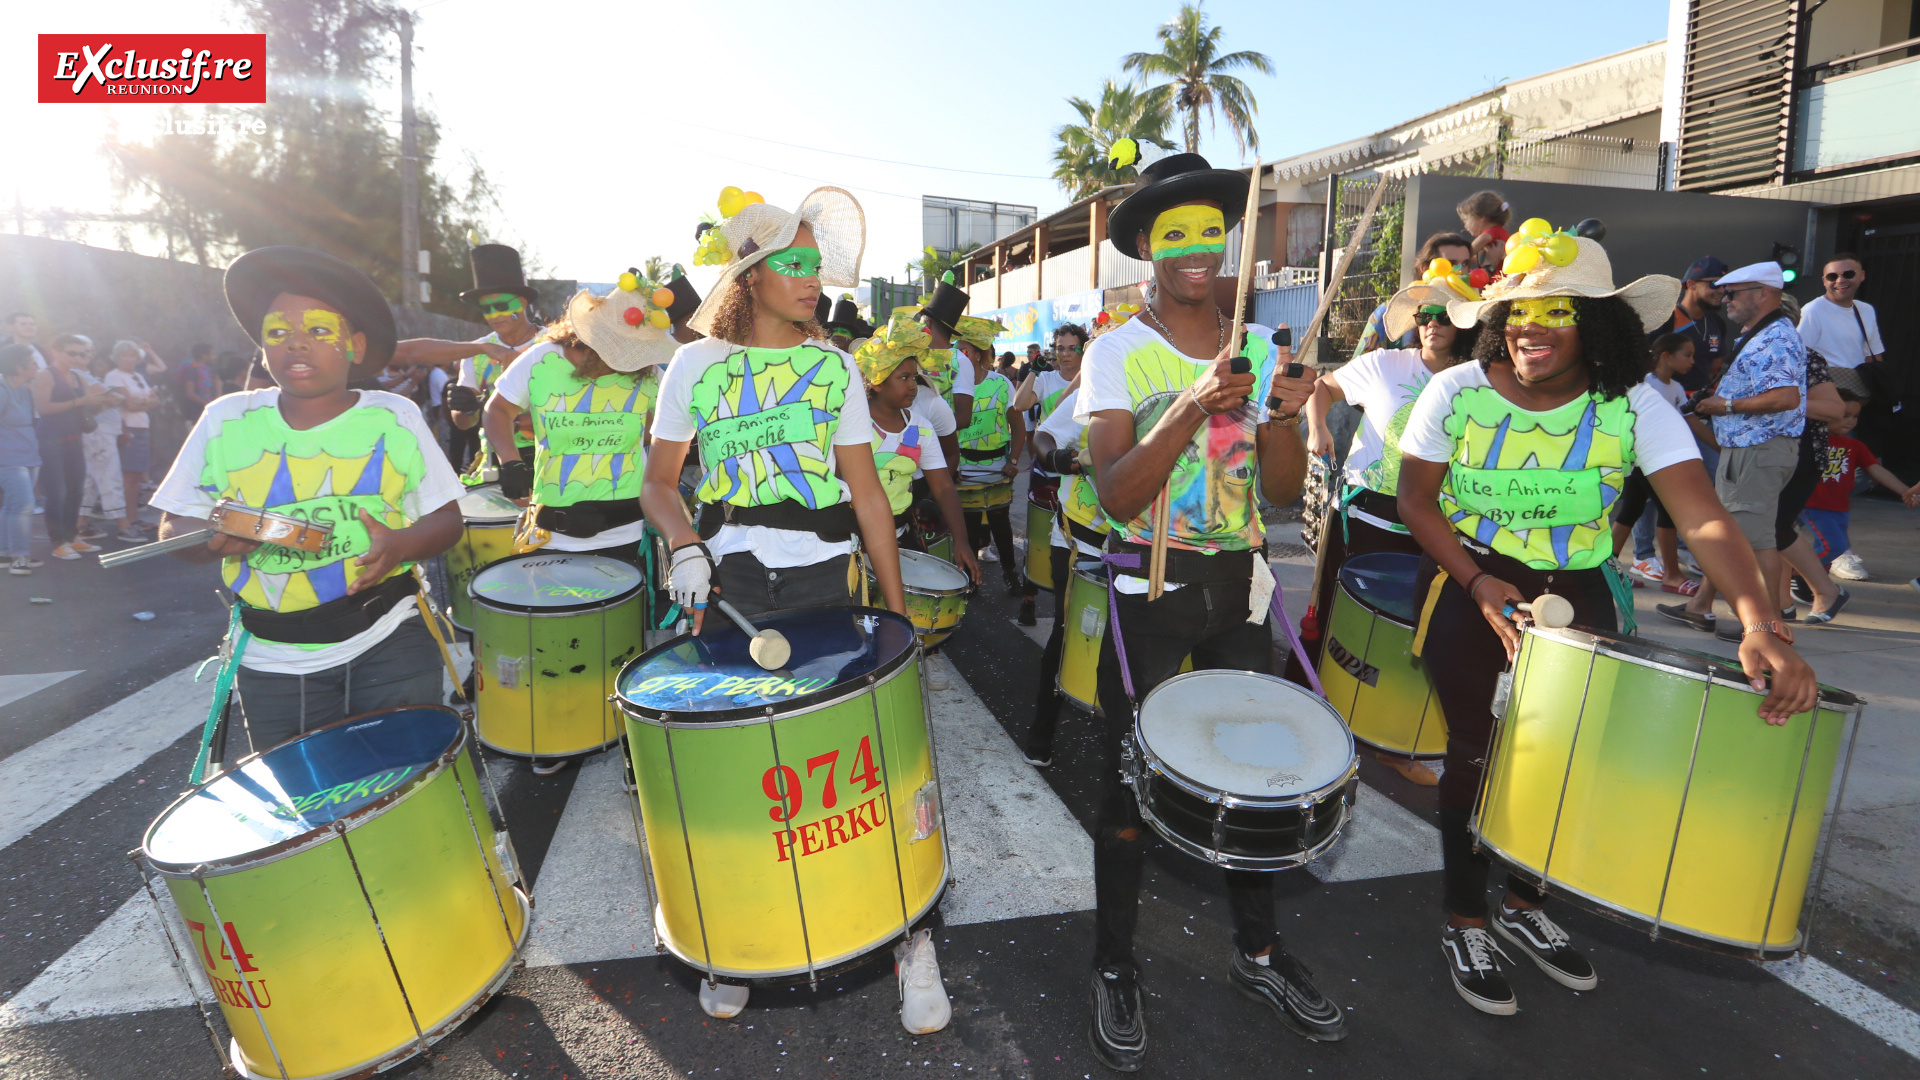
(1737, 115)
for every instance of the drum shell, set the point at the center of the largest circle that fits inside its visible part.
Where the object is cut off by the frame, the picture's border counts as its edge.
(733, 898)
(481, 544)
(1372, 677)
(1039, 565)
(319, 971)
(1087, 623)
(981, 497)
(936, 613)
(941, 547)
(1657, 793)
(562, 667)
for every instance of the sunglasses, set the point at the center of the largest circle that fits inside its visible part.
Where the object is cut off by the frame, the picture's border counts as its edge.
(1422, 318)
(1844, 275)
(501, 307)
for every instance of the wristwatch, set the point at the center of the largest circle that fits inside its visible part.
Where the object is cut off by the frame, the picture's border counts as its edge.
(1770, 626)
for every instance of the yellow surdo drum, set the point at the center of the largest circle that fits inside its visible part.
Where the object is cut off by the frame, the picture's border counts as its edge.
(982, 497)
(1039, 565)
(1368, 667)
(551, 633)
(1639, 778)
(1087, 624)
(347, 895)
(486, 539)
(792, 818)
(936, 592)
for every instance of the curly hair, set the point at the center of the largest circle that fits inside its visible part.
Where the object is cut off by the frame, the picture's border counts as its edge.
(733, 322)
(1612, 342)
(1071, 329)
(588, 366)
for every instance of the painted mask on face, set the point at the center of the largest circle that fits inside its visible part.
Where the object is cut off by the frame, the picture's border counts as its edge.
(796, 262)
(321, 326)
(1549, 311)
(1188, 230)
(501, 305)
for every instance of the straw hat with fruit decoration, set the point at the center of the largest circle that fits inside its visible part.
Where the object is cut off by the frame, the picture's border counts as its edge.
(629, 327)
(750, 230)
(1542, 262)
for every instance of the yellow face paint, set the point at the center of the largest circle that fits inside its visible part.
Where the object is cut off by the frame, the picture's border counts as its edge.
(1188, 230)
(321, 326)
(1549, 311)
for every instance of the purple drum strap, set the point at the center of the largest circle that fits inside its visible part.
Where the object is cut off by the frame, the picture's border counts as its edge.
(1279, 608)
(1131, 562)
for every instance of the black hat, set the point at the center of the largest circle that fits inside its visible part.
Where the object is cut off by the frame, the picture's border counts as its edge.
(947, 304)
(822, 309)
(257, 277)
(846, 316)
(496, 269)
(685, 300)
(1175, 179)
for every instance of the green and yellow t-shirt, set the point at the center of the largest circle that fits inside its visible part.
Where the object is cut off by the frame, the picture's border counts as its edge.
(987, 437)
(481, 372)
(588, 434)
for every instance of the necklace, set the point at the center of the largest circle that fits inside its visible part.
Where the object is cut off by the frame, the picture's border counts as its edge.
(1168, 334)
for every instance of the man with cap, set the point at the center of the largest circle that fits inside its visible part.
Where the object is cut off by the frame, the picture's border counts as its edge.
(501, 292)
(1170, 419)
(1700, 316)
(328, 634)
(1758, 411)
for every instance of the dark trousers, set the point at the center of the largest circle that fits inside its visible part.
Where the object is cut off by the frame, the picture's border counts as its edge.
(1209, 621)
(462, 444)
(402, 670)
(1047, 698)
(63, 474)
(751, 587)
(1793, 497)
(995, 523)
(1464, 658)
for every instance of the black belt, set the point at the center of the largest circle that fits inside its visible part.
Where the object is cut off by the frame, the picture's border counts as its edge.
(333, 621)
(585, 519)
(1379, 504)
(1085, 533)
(832, 524)
(984, 455)
(1189, 567)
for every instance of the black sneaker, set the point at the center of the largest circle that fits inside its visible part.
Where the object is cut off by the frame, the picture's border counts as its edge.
(1802, 591)
(1679, 613)
(1476, 974)
(1026, 612)
(1286, 986)
(1039, 758)
(1016, 586)
(1547, 945)
(1119, 1028)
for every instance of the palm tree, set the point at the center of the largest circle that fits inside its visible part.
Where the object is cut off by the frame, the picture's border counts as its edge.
(933, 264)
(1189, 59)
(1080, 154)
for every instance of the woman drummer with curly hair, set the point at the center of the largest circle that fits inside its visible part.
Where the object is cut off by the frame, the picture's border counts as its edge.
(1509, 468)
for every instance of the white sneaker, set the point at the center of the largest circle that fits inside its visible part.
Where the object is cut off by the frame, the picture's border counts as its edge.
(1848, 567)
(924, 1008)
(723, 1001)
(1649, 570)
(936, 673)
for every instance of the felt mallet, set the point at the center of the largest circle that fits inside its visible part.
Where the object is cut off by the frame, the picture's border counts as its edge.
(1547, 609)
(768, 648)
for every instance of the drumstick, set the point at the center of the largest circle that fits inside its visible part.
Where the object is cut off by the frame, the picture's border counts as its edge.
(1157, 560)
(768, 648)
(159, 547)
(1249, 222)
(1549, 610)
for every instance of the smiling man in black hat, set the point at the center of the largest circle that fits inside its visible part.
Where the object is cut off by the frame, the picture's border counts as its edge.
(505, 300)
(329, 634)
(1169, 418)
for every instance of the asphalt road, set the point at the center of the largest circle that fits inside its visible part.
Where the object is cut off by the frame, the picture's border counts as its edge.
(1018, 984)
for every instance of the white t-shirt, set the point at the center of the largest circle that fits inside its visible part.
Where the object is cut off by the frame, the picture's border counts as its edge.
(933, 408)
(1835, 333)
(963, 382)
(1383, 385)
(436, 387)
(469, 375)
(673, 421)
(931, 456)
(135, 386)
(1670, 392)
(1660, 435)
(1065, 432)
(513, 384)
(180, 493)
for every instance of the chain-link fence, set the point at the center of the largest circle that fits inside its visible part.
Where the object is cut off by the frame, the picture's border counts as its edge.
(1374, 274)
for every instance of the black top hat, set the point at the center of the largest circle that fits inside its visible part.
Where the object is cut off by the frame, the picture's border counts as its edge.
(496, 269)
(947, 304)
(685, 300)
(1175, 179)
(257, 277)
(822, 309)
(846, 316)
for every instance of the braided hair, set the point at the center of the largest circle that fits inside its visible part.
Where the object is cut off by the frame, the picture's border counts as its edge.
(1612, 342)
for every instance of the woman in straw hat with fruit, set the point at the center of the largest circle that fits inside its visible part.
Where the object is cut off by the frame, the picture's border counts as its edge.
(1554, 406)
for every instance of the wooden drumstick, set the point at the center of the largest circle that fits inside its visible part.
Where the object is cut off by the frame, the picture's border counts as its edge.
(768, 648)
(1547, 609)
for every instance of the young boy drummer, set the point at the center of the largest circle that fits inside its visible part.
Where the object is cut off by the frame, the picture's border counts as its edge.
(330, 634)
(1165, 411)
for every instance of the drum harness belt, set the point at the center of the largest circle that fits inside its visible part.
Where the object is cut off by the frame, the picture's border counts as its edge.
(834, 524)
(1350, 497)
(332, 622)
(1622, 599)
(584, 519)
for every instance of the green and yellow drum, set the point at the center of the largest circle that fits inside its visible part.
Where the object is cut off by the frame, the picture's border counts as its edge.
(341, 889)
(792, 818)
(940, 546)
(1087, 622)
(936, 592)
(487, 538)
(1639, 778)
(1368, 667)
(979, 498)
(1039, 566)
(551, 633)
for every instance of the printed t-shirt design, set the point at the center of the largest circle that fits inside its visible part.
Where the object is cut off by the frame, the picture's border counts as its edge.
(587, 434)
(898, 464)
(766, 419)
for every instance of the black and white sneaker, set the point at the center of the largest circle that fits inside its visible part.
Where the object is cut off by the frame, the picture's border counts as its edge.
(1286, 986)
(1476, 974)
(1547, 945)
(1119, 1028)
(1802, 591)
(1038, 758)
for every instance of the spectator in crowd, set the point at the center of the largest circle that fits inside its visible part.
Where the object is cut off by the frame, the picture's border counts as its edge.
(135, 443)
(1759, 411)
(199, 384)
(19, 456)
(1485, 215)
(1829, 512)
(104, 497)
(1452, 247)
(22, 329)
(63, 399)
(1673, 354)
(1842, 328)
(1699, 316)
(232, 368)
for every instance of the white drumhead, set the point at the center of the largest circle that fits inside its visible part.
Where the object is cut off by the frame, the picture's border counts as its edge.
(485, 503)
(1249, 735)
(927, 573)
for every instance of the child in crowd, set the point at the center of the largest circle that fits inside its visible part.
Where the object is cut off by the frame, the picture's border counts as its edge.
(1485, 215)
(1831, 505)
(1672, 358)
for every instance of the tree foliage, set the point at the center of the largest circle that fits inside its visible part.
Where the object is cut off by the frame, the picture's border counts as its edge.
(933, 264)
(1196, 81)
(1080, 150)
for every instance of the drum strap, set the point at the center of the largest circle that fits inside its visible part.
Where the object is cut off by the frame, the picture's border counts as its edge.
(231, 650)
(992, 454)
(834, 524)
(1622, 590)
(333, 621)
(1426, 614)
(432, 619)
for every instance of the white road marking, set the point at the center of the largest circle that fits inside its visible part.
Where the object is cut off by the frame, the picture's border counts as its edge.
(590, 901)
(124, 966)
(15, 687)
(1891, 1021)
(41, 782)
(1038, 632)
(1384, 839)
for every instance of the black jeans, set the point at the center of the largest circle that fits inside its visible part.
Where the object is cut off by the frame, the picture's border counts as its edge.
(1047, 698)
(1793, 497)
(63, 475)
(995, 523)
(1464, 658)
(403, 669)
(751, 587)
(1209, 621)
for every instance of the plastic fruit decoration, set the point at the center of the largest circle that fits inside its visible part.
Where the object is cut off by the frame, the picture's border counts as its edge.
(629, 282)
(659, 319)
(1591, 228)
(1480, 278)
(1441, 273)
(1540, 245)
(1561, 249)
(732, 201)
(1535, 227)
(663, 297)
(633, 315)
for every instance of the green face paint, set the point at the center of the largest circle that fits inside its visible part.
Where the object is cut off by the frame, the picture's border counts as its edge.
(1188, 230)
(494, 305)
(796, 262)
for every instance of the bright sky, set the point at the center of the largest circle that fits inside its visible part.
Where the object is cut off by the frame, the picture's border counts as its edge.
(610, 128)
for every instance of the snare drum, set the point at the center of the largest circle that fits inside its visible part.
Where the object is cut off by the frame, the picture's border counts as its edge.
(983, 497)
(486, 539)
(1039, 565)
(936, 592)
(341, 888)
(551, 633)
(1243, 770)
(1368, 666)
(1639, 777)
(792, 818)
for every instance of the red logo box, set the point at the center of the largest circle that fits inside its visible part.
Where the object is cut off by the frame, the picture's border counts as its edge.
(153, 68)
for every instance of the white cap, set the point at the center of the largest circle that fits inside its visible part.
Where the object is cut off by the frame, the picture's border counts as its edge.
(1764, 273)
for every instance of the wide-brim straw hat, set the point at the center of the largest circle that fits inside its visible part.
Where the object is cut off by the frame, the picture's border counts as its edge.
(601, 322)
(760, 229)
(1399, 317)
(1590, 274)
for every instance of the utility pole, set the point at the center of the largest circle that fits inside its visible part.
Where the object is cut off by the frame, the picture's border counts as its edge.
(409, 175)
